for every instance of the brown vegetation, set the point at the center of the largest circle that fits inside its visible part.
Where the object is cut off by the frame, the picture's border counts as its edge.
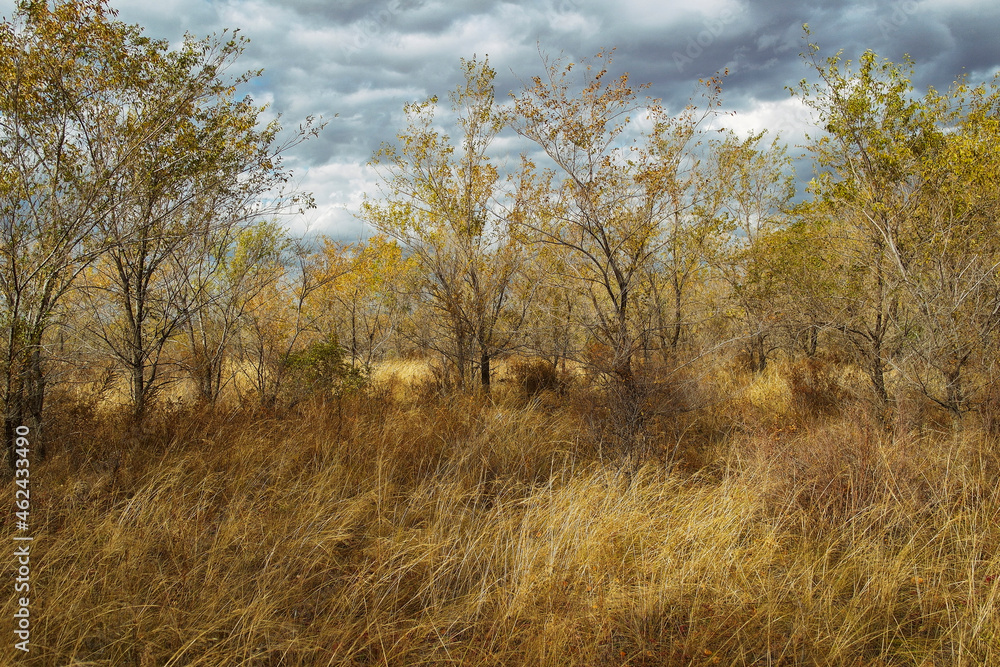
(638, 409)
(479, 531)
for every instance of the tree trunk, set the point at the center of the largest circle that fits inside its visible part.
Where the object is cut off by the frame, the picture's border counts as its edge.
(34, 400)
(460, 364)
(137, 372)
(484, 369)
(954, 395)
(757, 355)
(676, 337)
(876, 371)
(354, 337)
(25, 400)
(813, 341)
(23, 390)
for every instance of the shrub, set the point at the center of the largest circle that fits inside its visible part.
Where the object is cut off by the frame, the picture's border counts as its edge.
(815, 387)
(320, 369)
(533, 376)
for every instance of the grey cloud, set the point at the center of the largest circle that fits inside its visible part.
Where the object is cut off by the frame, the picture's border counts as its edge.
(363, 60)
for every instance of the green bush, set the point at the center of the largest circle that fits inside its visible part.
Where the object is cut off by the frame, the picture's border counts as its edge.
(321, 368)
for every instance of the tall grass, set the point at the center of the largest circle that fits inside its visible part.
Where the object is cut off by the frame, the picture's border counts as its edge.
(476, 531)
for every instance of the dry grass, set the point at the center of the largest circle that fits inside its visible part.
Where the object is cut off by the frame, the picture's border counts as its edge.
(404, 371)
(465, 530)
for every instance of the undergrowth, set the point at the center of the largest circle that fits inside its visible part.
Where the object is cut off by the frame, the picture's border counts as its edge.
(478, 530)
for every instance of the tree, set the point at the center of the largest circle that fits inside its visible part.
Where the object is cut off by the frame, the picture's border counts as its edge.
(232, 276)
(949, 253)
(65, 76)
(188, 190)
(360, 303)
(554, 325)
(867, 180)
(907, 182)
(756, 190)
(619, 206)
(280, 323)
(445, 209)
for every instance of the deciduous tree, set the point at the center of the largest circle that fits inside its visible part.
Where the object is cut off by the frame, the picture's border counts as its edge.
(67, 72)
(756, 189)
(210, 169)
(619, 205)
(867, 182)
(903, 179)
(232, 277)
(443, 203)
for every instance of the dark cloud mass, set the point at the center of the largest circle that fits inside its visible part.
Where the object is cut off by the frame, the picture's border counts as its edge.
(362, 60)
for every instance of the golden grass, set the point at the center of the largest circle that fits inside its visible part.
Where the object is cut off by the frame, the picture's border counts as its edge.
(404, 371)
(472, 531)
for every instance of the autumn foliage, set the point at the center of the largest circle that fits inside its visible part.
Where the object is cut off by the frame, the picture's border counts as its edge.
(623, 398)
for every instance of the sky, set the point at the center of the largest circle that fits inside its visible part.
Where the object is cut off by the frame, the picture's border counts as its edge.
(357, 63)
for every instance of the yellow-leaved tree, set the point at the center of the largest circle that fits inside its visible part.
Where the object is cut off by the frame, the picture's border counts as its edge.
(361, 304)
(443, 202)
(907, 185)
(628, 205)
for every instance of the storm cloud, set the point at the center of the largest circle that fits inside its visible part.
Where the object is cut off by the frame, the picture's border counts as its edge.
(361, 61)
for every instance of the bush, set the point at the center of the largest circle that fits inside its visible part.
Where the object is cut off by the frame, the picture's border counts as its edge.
(815, 387)
(321, 369)
(533, 376)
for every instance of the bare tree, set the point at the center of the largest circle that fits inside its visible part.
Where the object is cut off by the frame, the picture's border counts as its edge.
(231, 277)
